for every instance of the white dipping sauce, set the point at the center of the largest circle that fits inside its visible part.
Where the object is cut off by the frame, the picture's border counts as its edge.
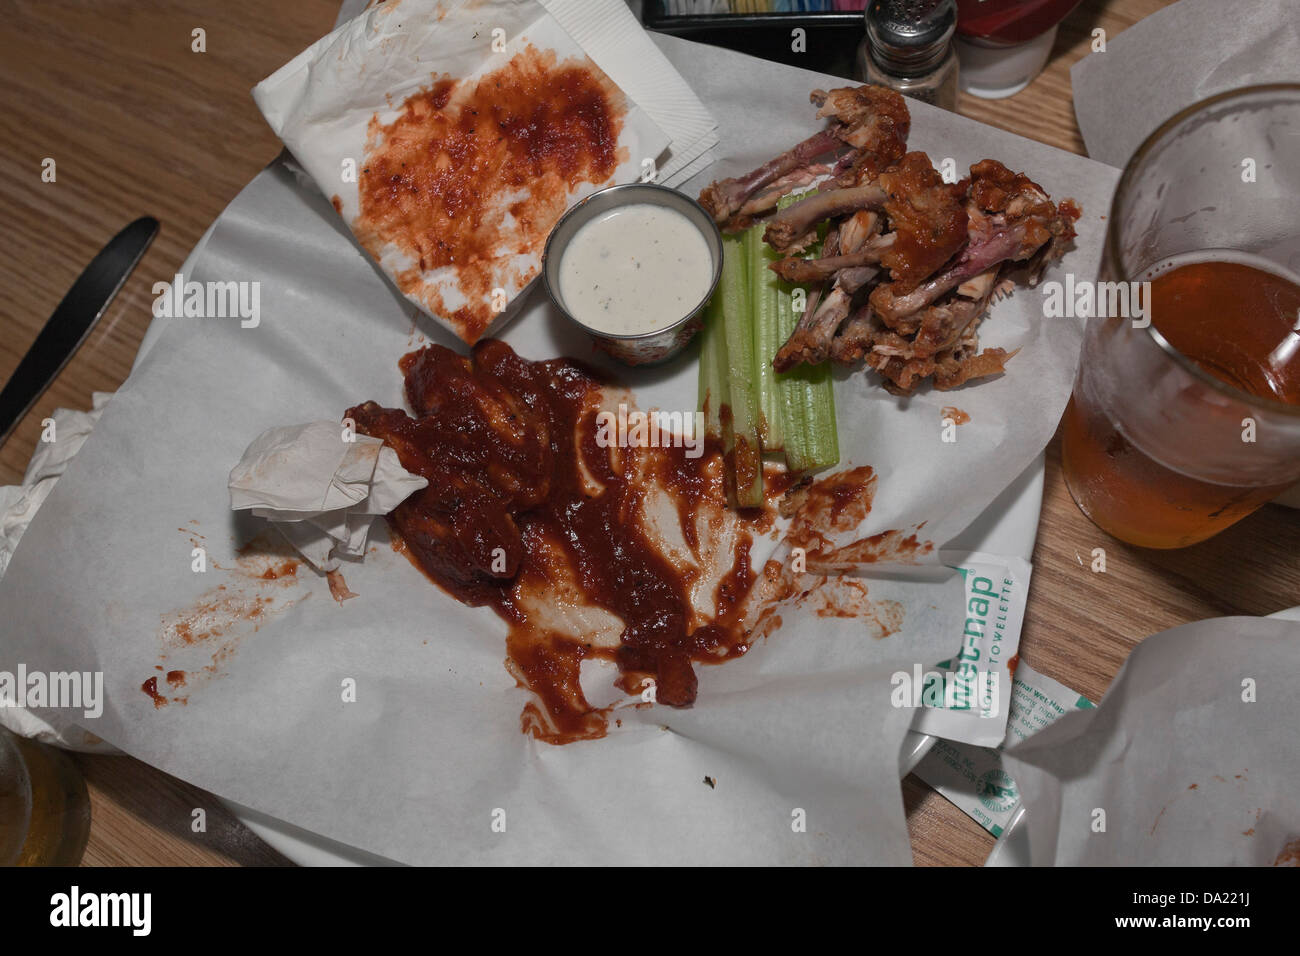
(639, 268)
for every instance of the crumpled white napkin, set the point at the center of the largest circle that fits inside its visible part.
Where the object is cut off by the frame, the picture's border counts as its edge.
(18, 503)
(18, 506)
(320, 485)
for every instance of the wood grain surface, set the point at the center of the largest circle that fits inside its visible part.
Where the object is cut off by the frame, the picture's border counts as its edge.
(139, 124)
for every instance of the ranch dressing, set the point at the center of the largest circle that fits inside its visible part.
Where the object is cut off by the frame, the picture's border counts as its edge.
(640, 268)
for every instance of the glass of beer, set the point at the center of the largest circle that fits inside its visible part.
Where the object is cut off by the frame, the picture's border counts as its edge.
(44, 806)
(1185, 415)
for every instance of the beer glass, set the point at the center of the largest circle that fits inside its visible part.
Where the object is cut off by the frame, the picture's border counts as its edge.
(1164, 448)
(44, 806)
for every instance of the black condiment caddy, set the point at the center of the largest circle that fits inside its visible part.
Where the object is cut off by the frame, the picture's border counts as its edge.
(830, 39)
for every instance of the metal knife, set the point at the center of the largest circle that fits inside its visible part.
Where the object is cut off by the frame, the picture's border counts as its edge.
(72, 321)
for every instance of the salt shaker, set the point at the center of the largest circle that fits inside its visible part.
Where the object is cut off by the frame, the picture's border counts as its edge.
(908, 47)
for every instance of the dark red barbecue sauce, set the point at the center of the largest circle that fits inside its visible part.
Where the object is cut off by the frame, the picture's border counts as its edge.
(508, 513)
(150, 687)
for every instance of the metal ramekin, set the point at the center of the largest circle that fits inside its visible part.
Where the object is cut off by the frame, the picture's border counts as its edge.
(645, 348)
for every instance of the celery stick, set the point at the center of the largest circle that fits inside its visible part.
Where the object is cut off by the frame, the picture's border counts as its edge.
(737, 313)
(746, 403)
(713, 393)
(810, 409)
(823, 428)
(790, 391)
(771, 303)
(805, 397)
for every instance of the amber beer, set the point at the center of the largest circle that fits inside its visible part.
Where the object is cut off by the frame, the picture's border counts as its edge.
(1130, 470)
(44, 805)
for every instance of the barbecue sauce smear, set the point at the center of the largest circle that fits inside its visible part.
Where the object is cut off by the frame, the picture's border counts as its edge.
(472, 173)
(525, 509)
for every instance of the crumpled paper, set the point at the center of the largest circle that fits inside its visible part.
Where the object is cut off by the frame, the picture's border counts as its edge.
(322, 103)
(321, 486)
(1177, 57)
(1190, 759)
(18, 503)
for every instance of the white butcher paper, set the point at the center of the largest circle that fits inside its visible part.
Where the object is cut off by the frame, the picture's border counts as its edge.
(1191, 756)
(799, 735)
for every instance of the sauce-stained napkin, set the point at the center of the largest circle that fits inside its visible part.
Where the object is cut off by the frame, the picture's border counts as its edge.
(320, 485)
(450, 135)
(611, 34)
(615, 39)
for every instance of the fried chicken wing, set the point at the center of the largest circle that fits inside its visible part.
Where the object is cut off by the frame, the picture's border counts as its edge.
(911, 262)
(873, 121)
(926, 215)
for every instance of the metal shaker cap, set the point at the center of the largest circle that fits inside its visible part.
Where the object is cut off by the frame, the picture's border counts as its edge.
(909, 37)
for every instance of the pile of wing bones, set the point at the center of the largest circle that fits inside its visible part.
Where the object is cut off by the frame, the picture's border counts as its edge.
(908, 263)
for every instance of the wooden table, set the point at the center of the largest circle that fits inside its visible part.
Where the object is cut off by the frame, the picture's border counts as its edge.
(138, 123)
